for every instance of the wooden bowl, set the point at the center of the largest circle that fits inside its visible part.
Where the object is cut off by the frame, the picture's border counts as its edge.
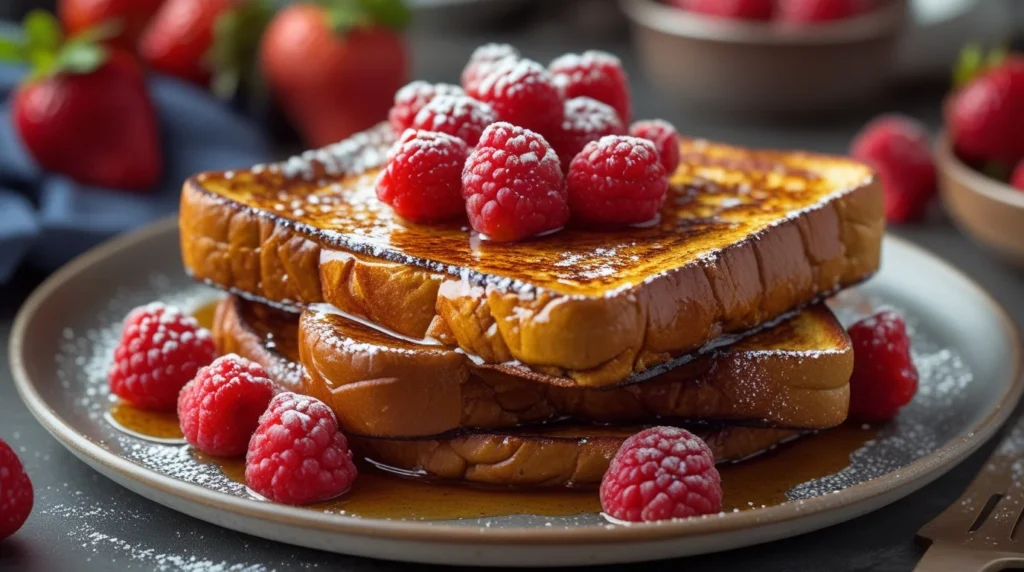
(989, 211)
(766, 68)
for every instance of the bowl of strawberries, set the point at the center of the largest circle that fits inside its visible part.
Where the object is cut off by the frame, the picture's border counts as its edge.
(768, 57)
(980, 156)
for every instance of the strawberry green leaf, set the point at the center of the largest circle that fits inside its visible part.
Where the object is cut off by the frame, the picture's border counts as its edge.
(232, 57)
(80, 57)
(101, 32)
(42, 31)
(11, 51)
(346, 15)
(391, 13)
(967, 65)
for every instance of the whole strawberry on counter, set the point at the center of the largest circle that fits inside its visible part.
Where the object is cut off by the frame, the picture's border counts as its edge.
(84, 110)
(130, 17)
(334, 66)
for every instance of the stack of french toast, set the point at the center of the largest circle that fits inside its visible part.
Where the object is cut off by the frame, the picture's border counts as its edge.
(527, 364)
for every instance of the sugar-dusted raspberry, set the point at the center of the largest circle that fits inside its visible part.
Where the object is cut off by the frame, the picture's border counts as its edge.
(665, 139)
(813, 11)
(16, 495)
(458, 115)
(884, 376)
(161, 349)
(513, 184)
(617, 180)
(1017, 178)
(730, 9)
(220, 408)
(422, 180)
(521, 93)
(898, 149)
(297, 454)
(585, 120)
(410, 100)
(482, 60)
(595, 74)
(661, 473)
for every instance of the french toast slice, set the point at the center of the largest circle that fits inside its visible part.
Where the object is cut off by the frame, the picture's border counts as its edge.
(745, 237)
(559, 455)
(564, 456)
(794, 375)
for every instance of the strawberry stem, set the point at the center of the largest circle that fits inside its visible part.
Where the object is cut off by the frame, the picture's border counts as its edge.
(347, 15)
(43, 47)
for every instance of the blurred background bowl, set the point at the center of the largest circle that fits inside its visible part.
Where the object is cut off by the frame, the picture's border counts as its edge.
(766, 68)
(989, 211)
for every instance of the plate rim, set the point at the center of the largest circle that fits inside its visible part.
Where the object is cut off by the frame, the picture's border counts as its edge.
(926, 468)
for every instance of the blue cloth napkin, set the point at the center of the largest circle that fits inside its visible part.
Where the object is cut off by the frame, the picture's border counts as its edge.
(46, 218)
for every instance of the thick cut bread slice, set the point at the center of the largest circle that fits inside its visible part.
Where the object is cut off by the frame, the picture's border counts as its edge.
(794, 375)
(745, 237)
(575, 456)
(557, 456)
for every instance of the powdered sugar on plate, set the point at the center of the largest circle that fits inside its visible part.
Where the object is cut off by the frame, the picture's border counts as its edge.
(934, 418)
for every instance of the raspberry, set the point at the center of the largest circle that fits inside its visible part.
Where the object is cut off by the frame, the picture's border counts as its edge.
(617, 180)
(731, 9)
(810, 11)
(521, 93)
(16, 494)
(594, 74)
(220, 408)
(986, 117)
(1017, 179)
(410, 100)
(661, 473)
(897, 148)
(585, 120)
(513, 185)
(298, 455)
(665, 140)
(422, 179)
(483, 59)
(457, 115)
(884, 377)
(161, 349)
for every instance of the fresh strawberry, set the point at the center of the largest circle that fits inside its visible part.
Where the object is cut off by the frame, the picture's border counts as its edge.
(84, 111)
(897, 147)
(130, 17)
(334, 66)
(985, 117)
(1017, 178)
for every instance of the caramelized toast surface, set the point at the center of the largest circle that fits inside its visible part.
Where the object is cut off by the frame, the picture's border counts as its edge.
(746, 237)
(719, 197)
(794, 375)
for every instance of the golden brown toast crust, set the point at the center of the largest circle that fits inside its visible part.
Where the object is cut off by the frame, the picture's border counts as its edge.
(794, 375)
(557, 457)
(745, 237)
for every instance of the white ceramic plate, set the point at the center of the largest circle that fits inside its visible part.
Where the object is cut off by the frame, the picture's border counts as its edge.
(967, 350)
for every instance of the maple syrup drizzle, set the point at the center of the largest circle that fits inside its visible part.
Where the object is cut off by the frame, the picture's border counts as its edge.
(761, 481)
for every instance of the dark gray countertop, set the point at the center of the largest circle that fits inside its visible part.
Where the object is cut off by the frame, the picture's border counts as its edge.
(85, 522)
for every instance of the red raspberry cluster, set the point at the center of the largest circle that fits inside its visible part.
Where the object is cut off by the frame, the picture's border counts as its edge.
(294, 451)
(502, 150)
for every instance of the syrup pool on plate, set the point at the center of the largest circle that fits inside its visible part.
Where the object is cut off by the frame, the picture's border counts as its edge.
(754, 483)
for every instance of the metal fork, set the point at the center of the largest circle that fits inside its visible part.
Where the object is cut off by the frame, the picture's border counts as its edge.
(984, 528)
